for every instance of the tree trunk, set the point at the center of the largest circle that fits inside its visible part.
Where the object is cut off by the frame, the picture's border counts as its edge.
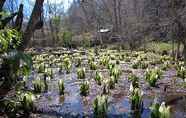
(33, 23)
(173, 51)
(115, 17)
(178, 50)
(19, 18)
(184, 52)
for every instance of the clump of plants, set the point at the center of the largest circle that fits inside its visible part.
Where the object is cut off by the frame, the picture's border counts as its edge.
(181, 72)
(139, 64)
(67, 64)
(115, 72)
(112, 57)
(41, 68)
(134, 80)
(11, 107)
(90, 58)
(78, 61)
(136, 99)
(160, 111)
(104, 60)
(39, 85)
(136, 64)
(27, 102)
(81, 73)
(165, 58)
(105, 88)
(61, 87)
(49, 73)
(100, 106)
(93, 65)
(127, 59)
(111, 82)
(98, 78)
(152, 76)
(84, 88)
(165, 65)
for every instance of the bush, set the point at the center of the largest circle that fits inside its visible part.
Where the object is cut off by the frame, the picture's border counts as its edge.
(67, 39)
(86, 42)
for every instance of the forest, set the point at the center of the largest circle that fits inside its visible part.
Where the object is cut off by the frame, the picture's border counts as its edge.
(92, 58)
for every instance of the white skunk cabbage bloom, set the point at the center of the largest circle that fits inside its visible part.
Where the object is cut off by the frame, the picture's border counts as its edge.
(164, 111)
(142, 93)
(30, 96)
(131, 89)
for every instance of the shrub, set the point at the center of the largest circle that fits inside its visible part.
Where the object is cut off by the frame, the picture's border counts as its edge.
(81, 73)
(67, 38)
(61, 87)
(100, 106)
(86, 42)
(84, 88)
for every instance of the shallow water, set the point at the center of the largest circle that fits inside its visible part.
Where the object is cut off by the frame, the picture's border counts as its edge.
(72, 104)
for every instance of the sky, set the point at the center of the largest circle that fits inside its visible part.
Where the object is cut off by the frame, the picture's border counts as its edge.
(28, 4)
